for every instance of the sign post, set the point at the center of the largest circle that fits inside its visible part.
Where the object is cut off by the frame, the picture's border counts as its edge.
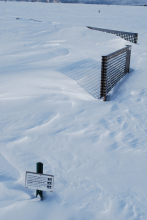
(39, 169)
(39, 181)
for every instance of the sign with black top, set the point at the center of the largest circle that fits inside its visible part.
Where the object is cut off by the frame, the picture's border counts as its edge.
(39, 181)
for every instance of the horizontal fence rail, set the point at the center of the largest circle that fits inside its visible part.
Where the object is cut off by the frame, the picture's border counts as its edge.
(129, 36)
(114, 67)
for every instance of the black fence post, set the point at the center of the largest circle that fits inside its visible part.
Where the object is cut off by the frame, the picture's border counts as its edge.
(128, 57)
(39, 169)
(136, 38)
(103, 77)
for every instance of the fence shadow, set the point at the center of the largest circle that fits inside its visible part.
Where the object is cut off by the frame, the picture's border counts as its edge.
(87, 73)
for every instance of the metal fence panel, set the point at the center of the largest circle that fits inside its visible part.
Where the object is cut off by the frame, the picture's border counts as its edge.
(129, 36)
(114, 67)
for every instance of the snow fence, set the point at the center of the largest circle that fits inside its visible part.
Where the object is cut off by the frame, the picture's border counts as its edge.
(114, 67)
(129, 36)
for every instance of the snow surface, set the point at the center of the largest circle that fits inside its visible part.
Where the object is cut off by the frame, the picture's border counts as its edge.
(96, 150)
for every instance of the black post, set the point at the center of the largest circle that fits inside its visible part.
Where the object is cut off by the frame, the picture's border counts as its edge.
(39, 169)
(103, 77)
(128, 57)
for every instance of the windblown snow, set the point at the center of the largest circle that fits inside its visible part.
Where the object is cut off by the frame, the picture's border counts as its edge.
(97, 151)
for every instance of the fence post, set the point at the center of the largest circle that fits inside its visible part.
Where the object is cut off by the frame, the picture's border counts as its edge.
(39, 169)
(136, 38)
(103, 77)
(128, 56)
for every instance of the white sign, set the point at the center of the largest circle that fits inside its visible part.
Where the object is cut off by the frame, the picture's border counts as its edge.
(39, 181)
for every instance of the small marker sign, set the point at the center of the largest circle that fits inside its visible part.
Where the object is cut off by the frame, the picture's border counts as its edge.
(38, 181)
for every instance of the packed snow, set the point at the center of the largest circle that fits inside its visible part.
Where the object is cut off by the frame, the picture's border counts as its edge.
(97, 151)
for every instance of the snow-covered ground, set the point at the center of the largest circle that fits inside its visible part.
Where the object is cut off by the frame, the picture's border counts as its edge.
(97, 151)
